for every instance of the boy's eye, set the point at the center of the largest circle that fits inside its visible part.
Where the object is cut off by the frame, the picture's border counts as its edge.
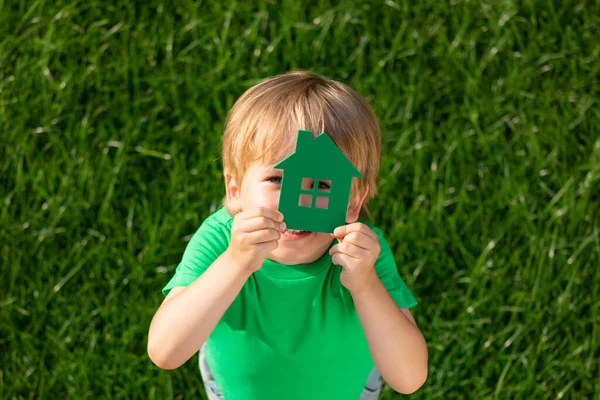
(275, 179)
(308, 184)
(324, 185)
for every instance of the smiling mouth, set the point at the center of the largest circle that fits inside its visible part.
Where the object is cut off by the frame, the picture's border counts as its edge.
(294, 232)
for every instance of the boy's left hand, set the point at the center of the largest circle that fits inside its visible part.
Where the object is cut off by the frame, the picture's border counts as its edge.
(356, 252)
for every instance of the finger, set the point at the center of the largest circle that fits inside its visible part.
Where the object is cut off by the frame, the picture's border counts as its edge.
(343, 260)
(342, 231)
(351, 250)
(334, 249)
(267, 246)
(361, 240)
(261, 236)
(258, 223)
(264, 212)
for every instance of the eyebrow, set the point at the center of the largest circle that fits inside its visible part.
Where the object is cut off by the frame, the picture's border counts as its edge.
(267, 170)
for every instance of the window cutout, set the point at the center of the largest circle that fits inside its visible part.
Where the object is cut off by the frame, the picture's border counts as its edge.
(307, 183)
(305, 200)
(325, 187)
(322, 202)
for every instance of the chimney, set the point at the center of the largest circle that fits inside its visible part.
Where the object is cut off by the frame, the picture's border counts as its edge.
(304, 138)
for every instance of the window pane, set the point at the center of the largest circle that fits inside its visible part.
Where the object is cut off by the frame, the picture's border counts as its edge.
(305, 200)
(322, 202)
(325, 186)
(307, 183)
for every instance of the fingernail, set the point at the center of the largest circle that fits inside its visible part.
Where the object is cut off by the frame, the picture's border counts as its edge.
(337, 231)
(282, 226)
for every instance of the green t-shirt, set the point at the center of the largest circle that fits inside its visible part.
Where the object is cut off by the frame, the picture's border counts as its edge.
(293, 330)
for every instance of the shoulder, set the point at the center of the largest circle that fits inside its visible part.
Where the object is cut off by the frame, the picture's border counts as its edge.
(375, 229)
(386, 257)
(219, 220)
(214, 231)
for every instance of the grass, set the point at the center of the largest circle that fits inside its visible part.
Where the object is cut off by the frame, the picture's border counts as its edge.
(110, 123)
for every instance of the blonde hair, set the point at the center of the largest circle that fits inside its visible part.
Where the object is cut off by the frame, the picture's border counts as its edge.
(263, 123)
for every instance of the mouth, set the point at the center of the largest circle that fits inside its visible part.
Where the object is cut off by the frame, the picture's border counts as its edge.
(294, 231)
(293, 234)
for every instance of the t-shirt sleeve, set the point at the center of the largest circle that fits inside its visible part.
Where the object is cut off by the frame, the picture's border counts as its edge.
(206, 245)
(386, 269)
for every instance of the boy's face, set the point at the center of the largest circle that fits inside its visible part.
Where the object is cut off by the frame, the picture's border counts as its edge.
(260, 188)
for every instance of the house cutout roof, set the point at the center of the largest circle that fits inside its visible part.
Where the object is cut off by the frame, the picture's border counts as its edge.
(316, 159)
(312, 155)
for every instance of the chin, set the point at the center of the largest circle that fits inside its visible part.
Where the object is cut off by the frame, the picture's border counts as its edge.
(289, 257)
(301, 248)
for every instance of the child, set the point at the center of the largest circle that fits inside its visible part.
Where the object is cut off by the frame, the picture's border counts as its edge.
(283, 314)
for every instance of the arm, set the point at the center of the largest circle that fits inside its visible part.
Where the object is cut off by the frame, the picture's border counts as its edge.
(396, 343)
(188, 315)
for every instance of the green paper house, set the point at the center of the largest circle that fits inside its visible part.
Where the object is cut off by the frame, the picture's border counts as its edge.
(315, 186)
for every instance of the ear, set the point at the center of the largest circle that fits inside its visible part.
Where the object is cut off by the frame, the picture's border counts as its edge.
(232, 190)
(354, 207)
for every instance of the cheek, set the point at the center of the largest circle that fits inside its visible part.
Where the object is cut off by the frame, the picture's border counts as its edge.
(259, 196)
(323, 240)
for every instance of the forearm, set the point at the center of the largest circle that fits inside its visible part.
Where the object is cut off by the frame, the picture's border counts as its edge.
(396, 344)
(182, 324)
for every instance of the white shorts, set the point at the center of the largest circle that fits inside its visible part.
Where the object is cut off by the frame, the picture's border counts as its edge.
(371, 390)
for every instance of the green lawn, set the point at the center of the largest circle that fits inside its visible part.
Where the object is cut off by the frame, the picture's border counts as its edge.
(110, 124)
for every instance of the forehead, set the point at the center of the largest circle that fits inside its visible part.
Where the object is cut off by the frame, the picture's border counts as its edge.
(258, 168)
(275, 149)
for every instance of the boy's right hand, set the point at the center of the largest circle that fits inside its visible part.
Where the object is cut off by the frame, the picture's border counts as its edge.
(254, 234)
